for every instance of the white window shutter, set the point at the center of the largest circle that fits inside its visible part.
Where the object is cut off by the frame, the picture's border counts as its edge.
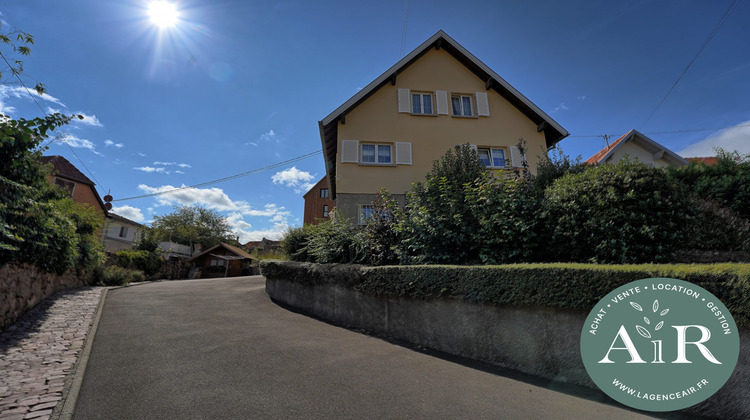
(442, 102)
(516, 159)
(349, 151)
(483, 104)
(404, 100)
(403, 153)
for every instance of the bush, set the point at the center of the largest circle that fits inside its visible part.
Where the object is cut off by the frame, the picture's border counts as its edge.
(621, 213)
(337, 241)
(563, 286)
(118, 276)
(438, 227)
(294, 243)
(510, 225)
(147, 262)
(381, 235)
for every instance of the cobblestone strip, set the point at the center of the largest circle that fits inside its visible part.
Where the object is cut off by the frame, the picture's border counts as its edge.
(39, 350)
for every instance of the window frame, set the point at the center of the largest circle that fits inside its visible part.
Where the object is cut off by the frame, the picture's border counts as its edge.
(377, 154)
(123, 232)
(325, 210)
(422, 96)
(492, 165)
(361, 220)
(324, 193)
(461, 97)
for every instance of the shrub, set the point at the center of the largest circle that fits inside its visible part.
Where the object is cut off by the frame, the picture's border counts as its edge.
(713, 227)
(509, 216)
(381, 234)
(294, 243)
(437, 226)
(118, 276)
(336, 241)
(147, 262)
(575, 287)
(621, 213)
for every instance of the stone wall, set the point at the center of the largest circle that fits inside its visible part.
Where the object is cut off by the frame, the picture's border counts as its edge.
(22, 287)
(537, 341)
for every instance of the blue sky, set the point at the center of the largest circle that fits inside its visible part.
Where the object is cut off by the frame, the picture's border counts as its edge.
(239, 85)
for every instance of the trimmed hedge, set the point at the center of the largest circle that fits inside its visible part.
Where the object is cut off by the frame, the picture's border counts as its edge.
(563, 286)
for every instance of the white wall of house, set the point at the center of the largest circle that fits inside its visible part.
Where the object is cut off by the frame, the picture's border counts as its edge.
(119, 236)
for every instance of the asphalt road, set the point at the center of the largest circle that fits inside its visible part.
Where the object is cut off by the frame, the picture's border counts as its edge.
(221, 349)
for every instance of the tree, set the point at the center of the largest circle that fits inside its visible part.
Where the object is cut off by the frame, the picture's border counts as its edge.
(19, 43)
(192, 225)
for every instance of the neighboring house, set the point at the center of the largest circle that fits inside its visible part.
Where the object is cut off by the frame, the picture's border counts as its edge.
(708, 160)
(223, 260)
(171, 251)
(318, 203)
(636, 145)
(120, 233)
(263, 246)
(437, 97)
(79, 187)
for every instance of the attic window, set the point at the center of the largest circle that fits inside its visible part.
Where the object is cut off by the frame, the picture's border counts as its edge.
(66, 185)
(461, 105)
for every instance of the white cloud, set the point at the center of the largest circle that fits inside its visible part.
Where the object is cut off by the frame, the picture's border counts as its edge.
(734, 138)
(129, 212)
(20, 92)
(238, 211)
(141, 154)
(582, 98)
(294, 178)
(111, 143)
(88, 120)
(184, 165)
(179, 172)
(151, 169)
(75, 141)
(270, 136)
(560, 107)
(164, 163)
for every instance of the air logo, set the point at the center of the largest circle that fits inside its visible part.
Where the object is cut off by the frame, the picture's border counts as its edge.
(659, 344)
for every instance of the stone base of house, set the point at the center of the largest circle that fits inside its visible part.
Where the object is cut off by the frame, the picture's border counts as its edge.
(347, 205)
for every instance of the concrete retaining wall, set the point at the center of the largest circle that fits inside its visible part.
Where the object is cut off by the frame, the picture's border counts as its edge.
(22, 287)
(541, 342)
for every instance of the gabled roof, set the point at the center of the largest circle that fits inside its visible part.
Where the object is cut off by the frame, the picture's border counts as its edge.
(708, 160)
(645, 142)
(320, 184)
(553, 132)
(65, 169)
(230, 248)
(121, 219)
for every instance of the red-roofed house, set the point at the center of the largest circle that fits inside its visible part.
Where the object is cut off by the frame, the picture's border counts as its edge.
(708, 160)
(318, 203)
(223, 260)
(636, 145)
(81, 189)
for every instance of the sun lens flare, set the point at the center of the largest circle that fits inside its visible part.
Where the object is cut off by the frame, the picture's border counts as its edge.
(163, 14)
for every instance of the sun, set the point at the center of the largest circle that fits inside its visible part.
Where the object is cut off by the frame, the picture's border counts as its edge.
(163, 14)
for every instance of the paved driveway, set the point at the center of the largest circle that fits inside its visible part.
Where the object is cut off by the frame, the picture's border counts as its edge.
(221, 349)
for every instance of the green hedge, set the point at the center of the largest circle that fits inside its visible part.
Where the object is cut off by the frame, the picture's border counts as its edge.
(564, 286)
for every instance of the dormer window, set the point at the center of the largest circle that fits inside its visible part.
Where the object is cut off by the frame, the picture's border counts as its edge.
(421, 103)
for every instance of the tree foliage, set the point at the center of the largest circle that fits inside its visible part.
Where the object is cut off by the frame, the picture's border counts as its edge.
(192, 225)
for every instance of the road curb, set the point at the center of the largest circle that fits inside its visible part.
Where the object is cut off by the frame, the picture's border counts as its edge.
(64, 409)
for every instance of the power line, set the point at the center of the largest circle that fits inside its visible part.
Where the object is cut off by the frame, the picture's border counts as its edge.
(403, 31)
(18, 77)
(226, 178)
(700, 50)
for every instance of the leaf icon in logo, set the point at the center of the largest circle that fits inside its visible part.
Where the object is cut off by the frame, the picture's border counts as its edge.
(658, 326)
(642, 331)
(656, 305)
(636, 306)
(664, 312)
(646, 321)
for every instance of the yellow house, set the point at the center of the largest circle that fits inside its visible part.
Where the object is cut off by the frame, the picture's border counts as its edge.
(436, 97)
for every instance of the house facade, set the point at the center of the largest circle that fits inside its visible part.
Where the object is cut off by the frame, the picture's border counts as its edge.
(635, 145)
(79, 187)
(318, 203)
(437, 97)
(120, 233)
(222, 260)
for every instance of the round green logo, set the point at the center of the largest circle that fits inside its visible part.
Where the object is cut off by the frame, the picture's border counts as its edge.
(660, 344)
